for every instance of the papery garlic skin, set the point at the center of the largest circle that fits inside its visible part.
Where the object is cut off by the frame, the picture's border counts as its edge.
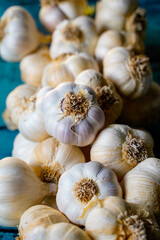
(20, 189)
(78, 35)
(141, 185)
(120, 148)
(52, 13)
(18, 34)
(50, 159)
(112, 38)
(37, 215)
(57, 231)
(22, 148)
(108, 98)
(72, 115)
(147, 108)
(66, 68)
(16, 103)
(32, 66)
(31, 123)
(131, 75)
(81, 186)
(117, 219)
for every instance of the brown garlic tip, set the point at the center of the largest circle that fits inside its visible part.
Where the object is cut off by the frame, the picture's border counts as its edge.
(139, 66)
(134, 150)
(30, 103)
(105, 97)
(85, 190)
(72, 33)
(51, 173)
(133, 227)
(139, 20)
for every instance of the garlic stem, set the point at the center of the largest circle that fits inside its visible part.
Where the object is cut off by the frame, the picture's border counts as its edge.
(139, 19)
(44, 39)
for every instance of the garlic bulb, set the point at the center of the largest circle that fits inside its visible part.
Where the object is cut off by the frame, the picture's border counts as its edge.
(81, 186)
(32, 66)
(117, 219)
(19, 190)
(53, 12)
(106, 11)
(137, 22)
(23, 148)
(57, 231)
(16, 103)
(37, 215)
(141, 185)
(18, 34)
(71, 114)
(66, 68)
(121, 148)
(131, 75)
(78, 35)
(51, 158)
(107, 96)
(112, 38)
(147, 108)
(31, 123)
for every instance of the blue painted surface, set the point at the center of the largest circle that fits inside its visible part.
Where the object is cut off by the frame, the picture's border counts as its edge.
(10, 75)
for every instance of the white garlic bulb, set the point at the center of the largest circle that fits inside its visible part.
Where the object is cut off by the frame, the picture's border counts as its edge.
(16, 103)
(78, 35)
(51, 158)
(18, 34)
(147, 108)
(131, 75)
(113, 38)
(32, 66)
(81, 186)
(57, 231)
(37, 215)
(19, 190)
(117, 219)
(71, 114)
(121, 148)
(66, 68)
(55, 11)
(23, 148)
(31, 122)
(141, 185)
(107, 96)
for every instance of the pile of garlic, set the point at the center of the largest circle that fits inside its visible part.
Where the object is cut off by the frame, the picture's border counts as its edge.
(77, 171)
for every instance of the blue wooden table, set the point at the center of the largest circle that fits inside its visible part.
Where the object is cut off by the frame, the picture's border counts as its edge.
(10, 77)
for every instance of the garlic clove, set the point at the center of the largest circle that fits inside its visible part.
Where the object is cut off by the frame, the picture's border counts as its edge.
(19, 190)
(32, 66)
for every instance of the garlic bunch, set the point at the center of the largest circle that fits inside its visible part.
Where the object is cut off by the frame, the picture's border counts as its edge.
(51, 158)
(32, 66)
(78, 35)
(130, 73)
(71, 114)
(112, 14)
(18, 34)
(66, 68)
(117, 219)
(113, 38)
(53, 12)
(57, 231)
(23, 148)
(81, 186)
(141, 185)
(107, 96)
(121, 148)
(147, 108)
(137, 22)
(31, 123)
(19, 190)
(16, 104)
(37, 215)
